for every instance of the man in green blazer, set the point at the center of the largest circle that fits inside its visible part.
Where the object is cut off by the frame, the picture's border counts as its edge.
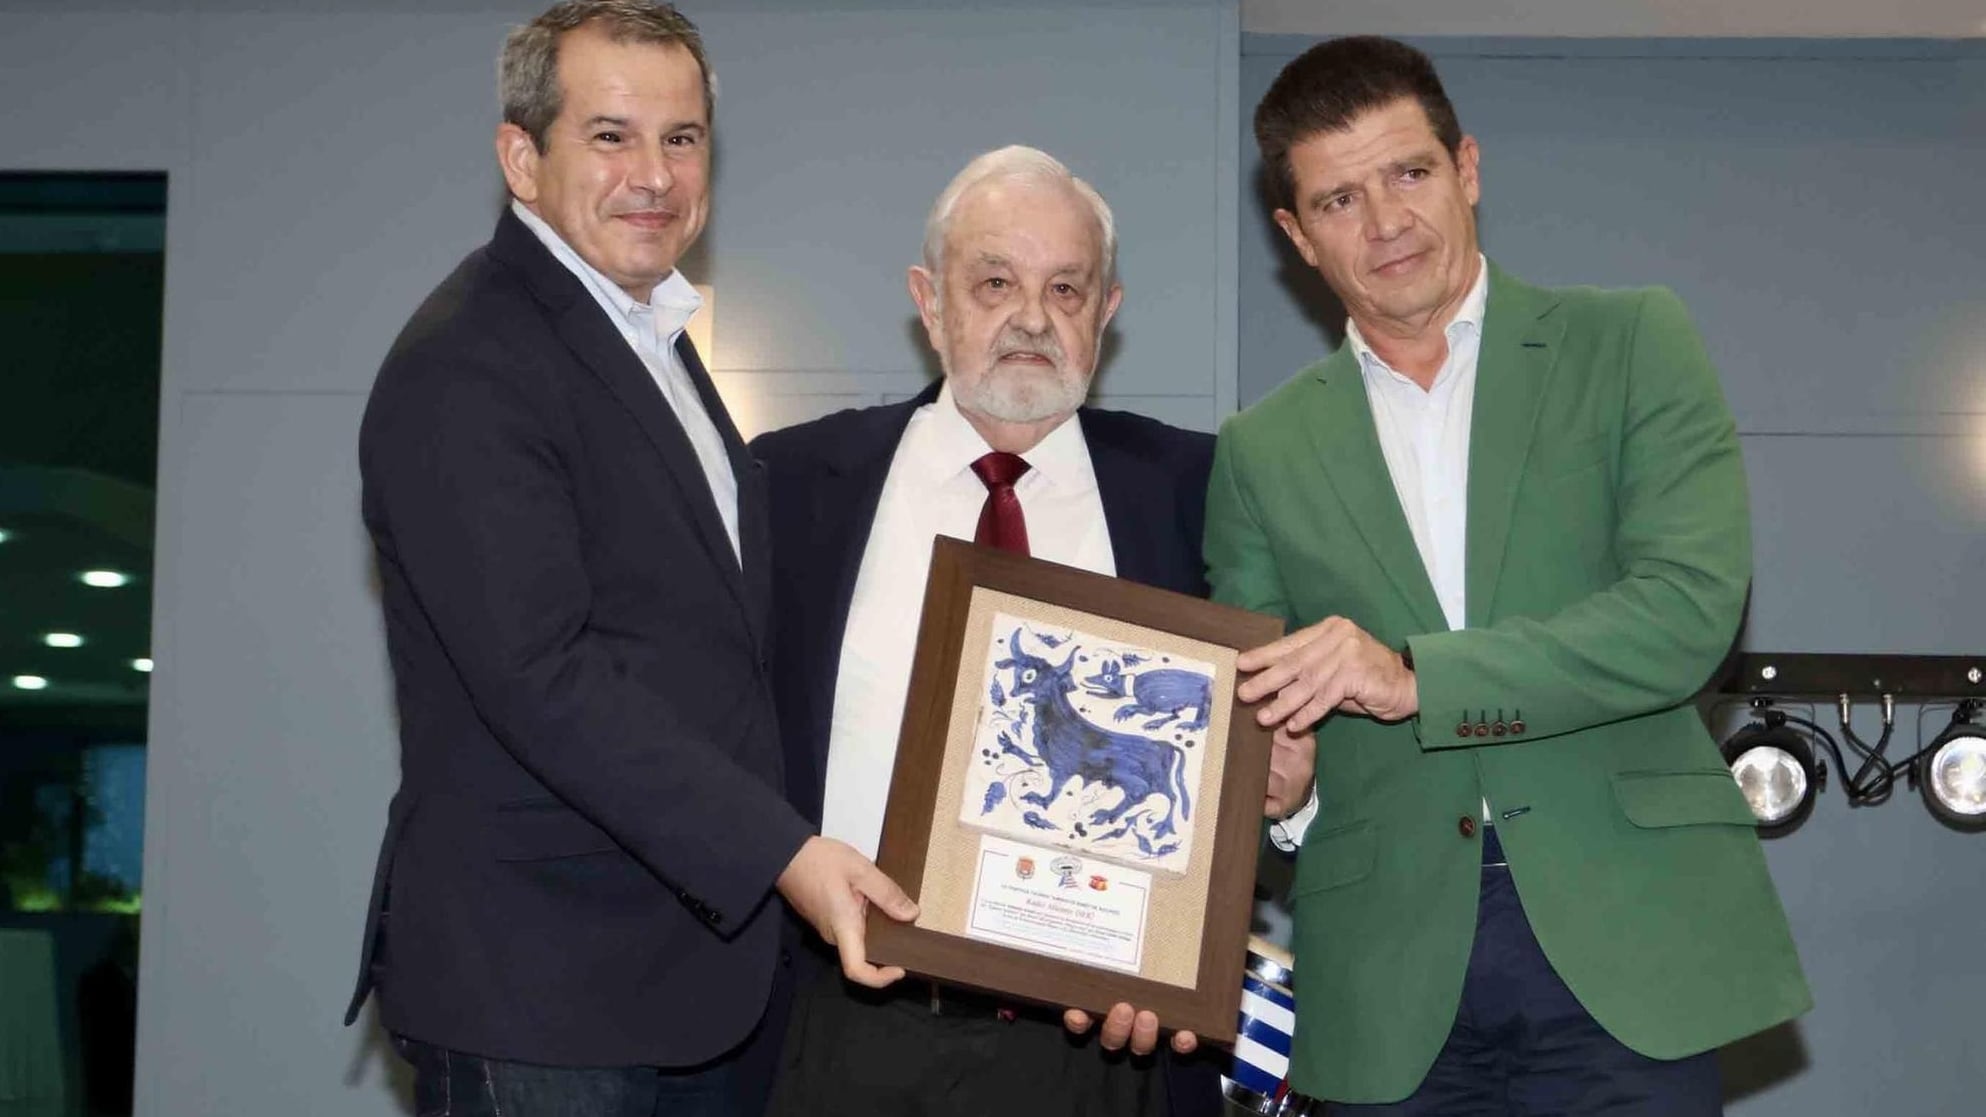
(1508, 527)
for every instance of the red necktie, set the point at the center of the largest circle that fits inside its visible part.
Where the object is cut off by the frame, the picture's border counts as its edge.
(1000, 521)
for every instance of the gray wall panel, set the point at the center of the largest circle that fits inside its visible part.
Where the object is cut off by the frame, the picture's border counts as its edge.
(1869, 544)
(341, 167)
(845, 126)
(63, 113)
(267, 790)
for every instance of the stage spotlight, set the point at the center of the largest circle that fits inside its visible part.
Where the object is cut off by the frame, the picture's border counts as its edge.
(1954, 774)
(1776, 769)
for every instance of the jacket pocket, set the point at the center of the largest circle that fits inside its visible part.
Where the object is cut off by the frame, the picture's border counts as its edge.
(1551, 460)
(1334, 858)
(542, 829)
(1653, 800)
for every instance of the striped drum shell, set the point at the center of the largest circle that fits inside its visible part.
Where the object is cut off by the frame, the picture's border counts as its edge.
(1258, 1080)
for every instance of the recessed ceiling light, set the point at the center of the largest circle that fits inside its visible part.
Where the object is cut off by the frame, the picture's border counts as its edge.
(144, 665)
(30, 682)
(105, 579)
(5, 535)
(62, 640)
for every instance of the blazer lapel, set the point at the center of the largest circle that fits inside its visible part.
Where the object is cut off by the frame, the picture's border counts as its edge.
(843, 510)
(1344, 437)
(1519, 349)
(1136, 545)
(754, 531)
(605, 354)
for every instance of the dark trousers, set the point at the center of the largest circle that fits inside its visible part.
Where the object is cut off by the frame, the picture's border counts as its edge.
(853, 1052)
(1523, 1047)
(458, 1084)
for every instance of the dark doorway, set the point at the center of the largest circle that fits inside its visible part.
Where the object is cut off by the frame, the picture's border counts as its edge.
(82, 271)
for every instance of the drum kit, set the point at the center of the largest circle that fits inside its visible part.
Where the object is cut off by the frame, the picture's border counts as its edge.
(1258, 1080)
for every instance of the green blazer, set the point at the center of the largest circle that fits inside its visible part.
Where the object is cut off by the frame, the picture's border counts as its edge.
(1608, 556)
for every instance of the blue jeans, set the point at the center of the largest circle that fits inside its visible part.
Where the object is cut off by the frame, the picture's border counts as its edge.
(1523, 1047)
(455, 1084)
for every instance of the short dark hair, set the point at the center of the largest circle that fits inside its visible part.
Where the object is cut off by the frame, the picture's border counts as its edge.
(527, 73)
(1331, 85)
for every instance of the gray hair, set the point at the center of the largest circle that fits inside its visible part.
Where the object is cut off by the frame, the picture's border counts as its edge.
(1014, 162)
(527, 72)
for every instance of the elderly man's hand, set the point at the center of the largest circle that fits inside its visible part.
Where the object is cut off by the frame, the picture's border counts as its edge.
(1292, 771)
(831, 885)
(1123, 1025)
(1331, 665)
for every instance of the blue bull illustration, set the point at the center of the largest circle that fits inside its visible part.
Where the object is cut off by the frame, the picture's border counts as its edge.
(1070, 745)
(1162, 694)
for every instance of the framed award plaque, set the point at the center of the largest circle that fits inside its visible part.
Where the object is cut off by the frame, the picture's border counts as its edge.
(1077, 798)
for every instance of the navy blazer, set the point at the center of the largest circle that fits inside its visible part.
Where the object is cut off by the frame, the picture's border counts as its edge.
(825, 480)
(590, 814)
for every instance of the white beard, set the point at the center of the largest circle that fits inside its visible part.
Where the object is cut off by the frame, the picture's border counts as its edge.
(1021, 394)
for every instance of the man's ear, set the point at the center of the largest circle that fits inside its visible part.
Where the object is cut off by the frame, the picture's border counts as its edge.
(1110, 302)
(1293, 229)
(1468, 167)
(924, 292)
(517, 154)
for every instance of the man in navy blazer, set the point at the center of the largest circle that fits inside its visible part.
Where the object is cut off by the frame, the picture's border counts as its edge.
(570, 915)
(1017, 284)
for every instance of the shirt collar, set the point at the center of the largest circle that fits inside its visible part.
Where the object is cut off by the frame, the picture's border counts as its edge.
(670, 307)
(950, 445)
(1468, 320)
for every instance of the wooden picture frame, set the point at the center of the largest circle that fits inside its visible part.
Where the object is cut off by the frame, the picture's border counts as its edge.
(1029, 709)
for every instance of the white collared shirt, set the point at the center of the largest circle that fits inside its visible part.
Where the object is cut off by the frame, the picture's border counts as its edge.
(651, 330)
(1424, 436)
(931, 491)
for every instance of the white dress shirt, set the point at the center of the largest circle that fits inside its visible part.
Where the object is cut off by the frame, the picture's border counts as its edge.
(932, 491)
(651, 330)
(1424, 436)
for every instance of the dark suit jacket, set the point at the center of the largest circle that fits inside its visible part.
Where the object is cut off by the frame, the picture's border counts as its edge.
(825, 479)
(590, 814)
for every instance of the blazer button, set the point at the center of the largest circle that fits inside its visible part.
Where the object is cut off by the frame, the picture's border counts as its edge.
(1482, 729)
(1517, 727)
(713, 916)
(1464, 729)
(1466, 826)
(1496, 729)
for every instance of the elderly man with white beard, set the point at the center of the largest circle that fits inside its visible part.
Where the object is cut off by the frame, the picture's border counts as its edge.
(1017, 284)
